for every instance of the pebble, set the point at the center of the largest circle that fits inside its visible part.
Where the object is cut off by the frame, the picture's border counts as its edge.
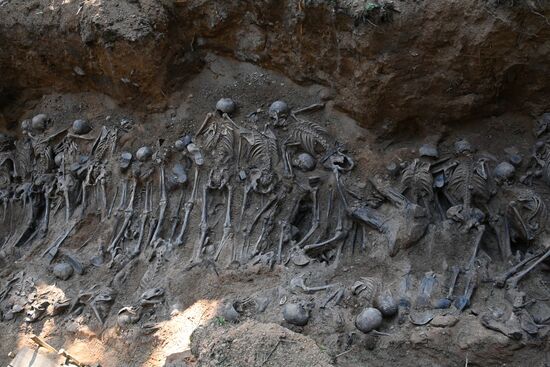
(444, 321)
(144, 153)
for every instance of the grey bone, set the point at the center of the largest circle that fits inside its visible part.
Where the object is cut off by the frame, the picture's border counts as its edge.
(299, 282)
(128, 212)
(143, 217)
(162, 206)
(203, 227)
(227, 226)
(513, 281)
(316, 217)
(500, 280)
(188, 207)
(51, 251)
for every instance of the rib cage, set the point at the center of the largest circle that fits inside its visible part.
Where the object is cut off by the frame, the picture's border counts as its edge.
(418, 180)
(468, 181)
(309, 134)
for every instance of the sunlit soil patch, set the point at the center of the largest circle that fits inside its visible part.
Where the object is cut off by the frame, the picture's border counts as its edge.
(174, 334)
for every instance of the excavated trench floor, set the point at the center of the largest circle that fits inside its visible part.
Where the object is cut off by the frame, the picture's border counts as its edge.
(145, 80)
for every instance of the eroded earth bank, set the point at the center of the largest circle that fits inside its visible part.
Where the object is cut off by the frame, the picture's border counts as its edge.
(268, 183)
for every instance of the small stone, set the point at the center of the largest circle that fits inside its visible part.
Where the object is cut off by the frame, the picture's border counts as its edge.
(444, 321)
(196, 153)
(428, 150)
(368, 320)
(226, 105)
(442, 304)
(504, 171)
(183, 142)
(39, 122)
(279, 108)
(295, 314)
(63, 271)
(81, 127)
(144, 153)
(78, 71)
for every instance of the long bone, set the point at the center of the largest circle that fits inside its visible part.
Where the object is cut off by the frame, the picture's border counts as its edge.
(316, 217)
(513, 281)
(162, 206)
(227, 226)
(298, 282)
(502, 231)
(454, 278)
(128, 212)
(262, 236)
(143, 217)
(175, 216)
(119, 207)
(248, 229)
(204, 124)
(203, 240)
(188, 207)
(329, 243)
(500, 280)
(112, 204)
(51, 252)
(44, 225)
(464, 300)
(284, 228)
(66, 191)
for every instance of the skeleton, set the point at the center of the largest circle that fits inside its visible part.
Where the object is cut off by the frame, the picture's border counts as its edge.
(524, 218)
(468, 181)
